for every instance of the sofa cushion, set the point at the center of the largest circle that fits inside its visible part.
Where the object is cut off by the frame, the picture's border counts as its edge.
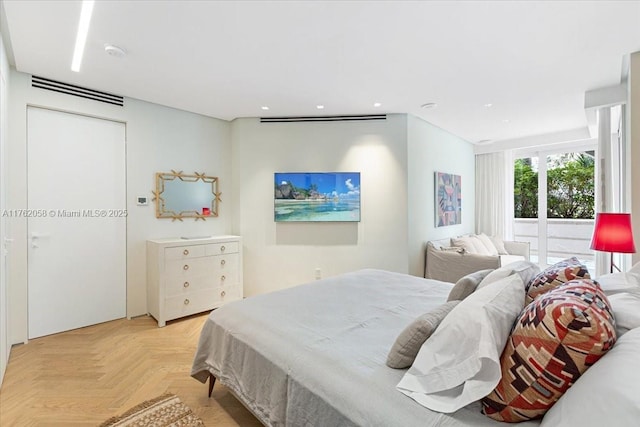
(499, 244)
(471, 243)
(554, 340)
(488, 243)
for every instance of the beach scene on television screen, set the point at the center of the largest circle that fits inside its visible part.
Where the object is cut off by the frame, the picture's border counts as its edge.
(317, 196)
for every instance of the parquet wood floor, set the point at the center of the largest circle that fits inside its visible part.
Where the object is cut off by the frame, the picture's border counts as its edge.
(83, 377)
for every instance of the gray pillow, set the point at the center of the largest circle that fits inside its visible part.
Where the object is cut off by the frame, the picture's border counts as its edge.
(406, 347)
(466, 285)
(525, 269)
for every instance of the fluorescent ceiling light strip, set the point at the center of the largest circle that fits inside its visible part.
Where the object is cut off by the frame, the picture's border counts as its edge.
(83, 30)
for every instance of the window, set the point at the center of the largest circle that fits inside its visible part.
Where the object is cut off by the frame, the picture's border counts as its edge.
(559, 221)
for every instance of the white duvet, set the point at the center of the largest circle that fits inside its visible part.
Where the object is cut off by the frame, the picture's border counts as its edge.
(314, 355)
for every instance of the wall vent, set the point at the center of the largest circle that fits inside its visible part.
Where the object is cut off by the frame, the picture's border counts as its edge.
(82, 92)
(323, 118)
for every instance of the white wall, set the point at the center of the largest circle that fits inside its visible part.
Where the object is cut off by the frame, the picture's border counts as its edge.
(432, 149)
(279, 255)
(5, 347)
(396, 158)
(158, 139)
(633, 125)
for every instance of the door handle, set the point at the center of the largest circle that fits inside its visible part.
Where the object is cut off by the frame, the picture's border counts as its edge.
(5, 251)
(36, 236)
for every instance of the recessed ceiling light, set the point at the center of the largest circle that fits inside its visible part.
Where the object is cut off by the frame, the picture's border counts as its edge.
(484, 141)
(320, 107)
(488, 105)
(264, 107)
(506, 121)
(429, 105)
(377, 104)
(113, 50)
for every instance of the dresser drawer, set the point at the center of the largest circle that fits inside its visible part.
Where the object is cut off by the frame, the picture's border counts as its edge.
(225, 263)
(221, 248)
(184, 252)
(195, 302)
(229, 278)
(184, 268)
(230, 293)
(175, 286)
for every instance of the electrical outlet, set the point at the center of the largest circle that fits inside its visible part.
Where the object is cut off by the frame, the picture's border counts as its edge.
(318, 274)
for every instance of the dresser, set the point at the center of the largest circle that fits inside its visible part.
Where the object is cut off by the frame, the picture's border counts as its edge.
(189, 276)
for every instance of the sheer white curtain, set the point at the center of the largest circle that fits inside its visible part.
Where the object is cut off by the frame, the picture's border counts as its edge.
(494, 194)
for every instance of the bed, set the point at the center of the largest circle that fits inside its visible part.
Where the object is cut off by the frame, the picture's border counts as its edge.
(314, 354)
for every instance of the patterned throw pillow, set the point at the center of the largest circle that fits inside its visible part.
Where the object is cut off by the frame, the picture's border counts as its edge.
(556, 275)
(555, 339)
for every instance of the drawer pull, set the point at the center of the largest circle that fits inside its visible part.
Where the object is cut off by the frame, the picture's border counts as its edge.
(223, 262)
(223, 278)
(222, 248)
(185, 252)
(186, 267)
(186, 301)
(223, 293)
(186, 284)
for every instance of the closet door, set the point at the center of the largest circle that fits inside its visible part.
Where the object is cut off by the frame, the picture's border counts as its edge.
(76, 221)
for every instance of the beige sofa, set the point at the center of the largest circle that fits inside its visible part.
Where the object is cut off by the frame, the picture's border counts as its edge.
(448, 263)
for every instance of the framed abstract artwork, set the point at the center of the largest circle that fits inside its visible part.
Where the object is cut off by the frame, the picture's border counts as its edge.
(448, 199)
(317, 197)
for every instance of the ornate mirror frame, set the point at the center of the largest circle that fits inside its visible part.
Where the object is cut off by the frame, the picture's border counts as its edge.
(178, 177)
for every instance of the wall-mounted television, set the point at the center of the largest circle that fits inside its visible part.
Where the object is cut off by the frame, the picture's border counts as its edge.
(317, 196)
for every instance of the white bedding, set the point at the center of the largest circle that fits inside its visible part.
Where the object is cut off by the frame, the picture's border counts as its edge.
(314, 355)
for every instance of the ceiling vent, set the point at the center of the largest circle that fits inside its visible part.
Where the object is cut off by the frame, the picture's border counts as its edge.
(82, 92)
(323, 118)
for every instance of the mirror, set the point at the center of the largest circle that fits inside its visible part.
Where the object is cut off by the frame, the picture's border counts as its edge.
(180, 195)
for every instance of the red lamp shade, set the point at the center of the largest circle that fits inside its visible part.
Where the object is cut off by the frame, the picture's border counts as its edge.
(613, 233)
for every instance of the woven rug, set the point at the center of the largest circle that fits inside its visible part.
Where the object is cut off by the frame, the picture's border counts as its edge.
(163, 411)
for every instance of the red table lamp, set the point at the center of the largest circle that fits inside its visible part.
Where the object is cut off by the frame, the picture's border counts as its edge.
(613, 233)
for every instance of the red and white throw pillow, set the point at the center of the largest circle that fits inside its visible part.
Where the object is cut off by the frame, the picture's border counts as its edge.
(554, 276)
(553, 342)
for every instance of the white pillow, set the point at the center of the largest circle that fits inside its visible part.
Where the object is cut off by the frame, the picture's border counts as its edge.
(480, 247)
(615, 283)
(606, 394)
(460, 362)
(486, 241)
(494, 276)
(466, 243)
(626, 310)
(525, 269)
(499, 244)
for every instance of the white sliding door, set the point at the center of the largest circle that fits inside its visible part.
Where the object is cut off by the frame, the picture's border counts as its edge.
(554, 204)
(76, 221)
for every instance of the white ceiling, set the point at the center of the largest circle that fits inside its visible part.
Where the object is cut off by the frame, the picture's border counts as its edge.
(533, 61)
